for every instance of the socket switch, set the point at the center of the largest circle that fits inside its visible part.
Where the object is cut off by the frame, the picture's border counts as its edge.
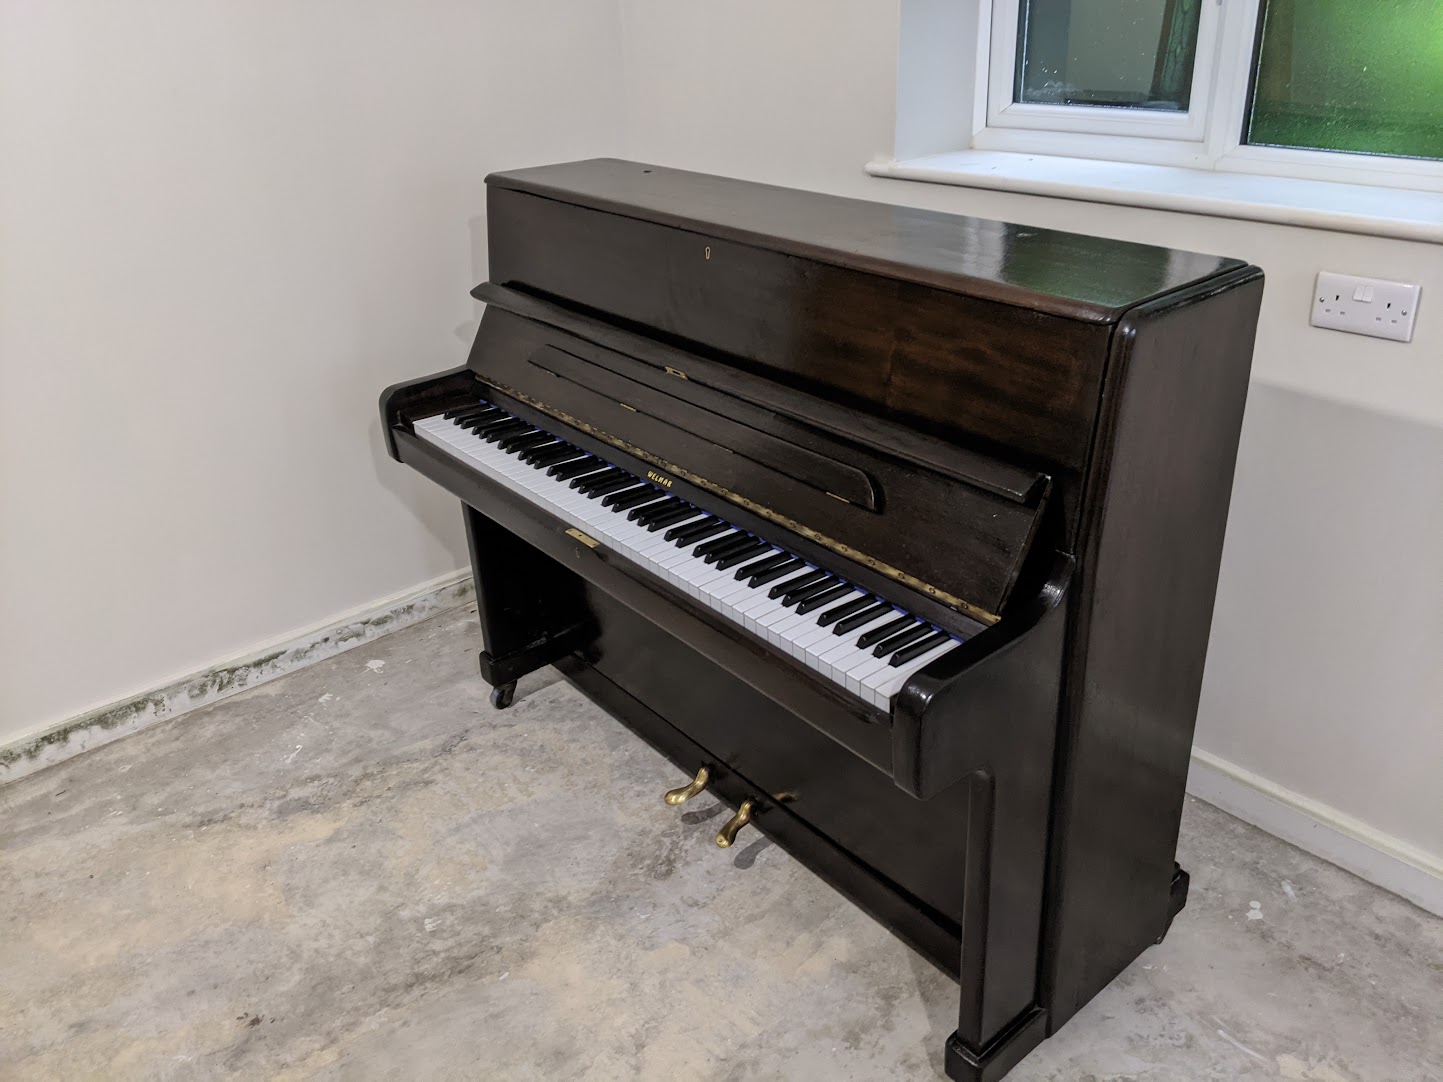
(1372, 306)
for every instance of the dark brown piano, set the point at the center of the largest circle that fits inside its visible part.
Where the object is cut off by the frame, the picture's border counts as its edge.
(898, 531)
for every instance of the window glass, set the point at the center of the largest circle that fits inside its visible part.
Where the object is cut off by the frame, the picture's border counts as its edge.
(1135, 54)
(1347, 75)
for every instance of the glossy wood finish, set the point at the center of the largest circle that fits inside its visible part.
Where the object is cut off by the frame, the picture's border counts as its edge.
(965, 540)
(1142, 612)
(1048, 421)
(1039, 270)
(993, 374)
(875, 434)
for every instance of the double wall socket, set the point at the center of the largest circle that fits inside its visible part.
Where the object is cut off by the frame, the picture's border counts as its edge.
(1372, 306)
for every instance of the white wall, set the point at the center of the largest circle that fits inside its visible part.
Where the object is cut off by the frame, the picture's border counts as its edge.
(1325, 671)
(224, 227)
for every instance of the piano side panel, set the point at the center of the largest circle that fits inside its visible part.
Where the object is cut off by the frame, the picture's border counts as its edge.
(1140, 621)
(987, 373)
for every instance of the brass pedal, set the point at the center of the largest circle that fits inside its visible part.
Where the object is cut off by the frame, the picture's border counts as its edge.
(728, 833)
(689, 790)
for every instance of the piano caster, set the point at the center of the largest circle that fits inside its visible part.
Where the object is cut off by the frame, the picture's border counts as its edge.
(503, 694)
(728, 833)
(690, 789)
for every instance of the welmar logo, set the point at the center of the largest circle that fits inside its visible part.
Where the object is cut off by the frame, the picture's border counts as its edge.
(661, 479)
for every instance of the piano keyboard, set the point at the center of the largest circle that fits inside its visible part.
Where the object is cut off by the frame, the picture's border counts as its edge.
(852, 638)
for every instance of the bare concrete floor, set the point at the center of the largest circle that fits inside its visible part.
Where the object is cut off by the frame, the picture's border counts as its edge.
(362, 871)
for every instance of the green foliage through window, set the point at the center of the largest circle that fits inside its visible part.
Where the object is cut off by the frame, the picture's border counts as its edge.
(1364, 76)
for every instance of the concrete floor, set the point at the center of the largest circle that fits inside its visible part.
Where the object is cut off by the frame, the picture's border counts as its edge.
(362, 871)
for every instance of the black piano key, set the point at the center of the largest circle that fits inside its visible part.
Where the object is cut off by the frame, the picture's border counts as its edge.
(660, 522)
(500, 417)
(918, 648)
(798, 583)
(801, 593)
(901, 639)
(601, 483)
(745, 543)
(761, 578)
(862, 618)
(565, 471)
(462, 414)
(616, 484)
(591, 480)
(550, 443)
(766, 563)
(857, 604)
(721, 542)
(541, 439)
(514, 444)
(481, 426)
(502, 430)
(731, 559)
(643, 515)
(466, 414)
(625, 501)
(695, 531)
(891, 627)
(826, 597)
(541, 457)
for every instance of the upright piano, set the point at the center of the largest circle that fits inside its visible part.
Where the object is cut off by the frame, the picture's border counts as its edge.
(896, 530)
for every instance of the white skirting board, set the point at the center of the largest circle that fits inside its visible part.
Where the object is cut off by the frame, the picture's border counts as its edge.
(1324, 831)
(55, 743)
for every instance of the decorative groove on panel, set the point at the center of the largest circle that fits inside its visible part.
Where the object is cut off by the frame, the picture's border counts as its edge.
(357, 627)
(1324, 831)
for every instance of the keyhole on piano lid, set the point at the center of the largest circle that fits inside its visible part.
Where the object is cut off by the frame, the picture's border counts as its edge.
(708, 251)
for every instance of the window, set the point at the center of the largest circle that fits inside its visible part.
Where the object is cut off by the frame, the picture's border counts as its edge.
(1326, 89)
(1363, 78)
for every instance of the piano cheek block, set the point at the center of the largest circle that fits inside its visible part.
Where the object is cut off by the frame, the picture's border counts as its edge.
(989, 702)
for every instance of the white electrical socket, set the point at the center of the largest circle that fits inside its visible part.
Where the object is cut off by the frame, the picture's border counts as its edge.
(1372, 306)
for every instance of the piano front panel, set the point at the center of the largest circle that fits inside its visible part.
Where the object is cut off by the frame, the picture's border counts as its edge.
(917, 845)
(959, 542)
(985, 372)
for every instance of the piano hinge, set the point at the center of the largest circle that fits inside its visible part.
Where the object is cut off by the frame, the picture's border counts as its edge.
(677, 372)
(585, 538)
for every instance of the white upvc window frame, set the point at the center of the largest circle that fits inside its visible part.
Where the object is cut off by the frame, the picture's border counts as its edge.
(1207, 136)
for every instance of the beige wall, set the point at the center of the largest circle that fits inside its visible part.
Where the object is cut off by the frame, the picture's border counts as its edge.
(1325, 670)
(224, 227)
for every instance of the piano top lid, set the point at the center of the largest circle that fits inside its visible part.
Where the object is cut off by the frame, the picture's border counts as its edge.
(1091, 279)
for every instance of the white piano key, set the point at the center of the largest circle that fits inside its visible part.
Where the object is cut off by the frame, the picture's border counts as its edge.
(833, 657)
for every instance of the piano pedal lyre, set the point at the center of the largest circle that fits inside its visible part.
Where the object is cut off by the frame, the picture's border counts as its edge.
(690, 789)
(728, 834)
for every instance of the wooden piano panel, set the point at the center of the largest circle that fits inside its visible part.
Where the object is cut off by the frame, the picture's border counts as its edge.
(959, 540)
(998, 374)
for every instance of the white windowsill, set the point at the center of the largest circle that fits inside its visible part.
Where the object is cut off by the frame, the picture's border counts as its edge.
(1405, 214)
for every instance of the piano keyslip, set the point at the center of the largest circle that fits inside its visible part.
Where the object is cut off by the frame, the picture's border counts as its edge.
(792, 605)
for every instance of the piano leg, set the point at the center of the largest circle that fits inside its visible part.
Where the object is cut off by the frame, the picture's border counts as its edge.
(532, 609)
